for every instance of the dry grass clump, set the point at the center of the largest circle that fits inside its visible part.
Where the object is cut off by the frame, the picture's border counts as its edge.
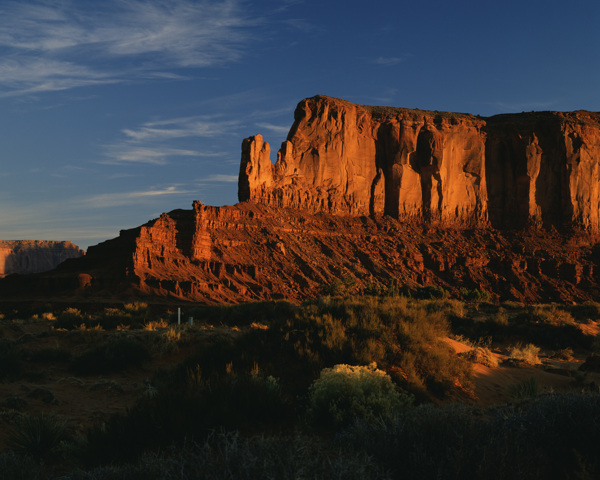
(481, 355)
(154, 325)
(527, 354)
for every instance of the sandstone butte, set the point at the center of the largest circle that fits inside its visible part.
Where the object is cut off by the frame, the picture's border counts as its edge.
(367, 195)
(33, 256)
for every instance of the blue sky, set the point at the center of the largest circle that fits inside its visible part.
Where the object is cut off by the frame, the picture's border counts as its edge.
(115, 111)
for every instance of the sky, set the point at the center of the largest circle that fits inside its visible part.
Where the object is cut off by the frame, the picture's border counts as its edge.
(114, 111)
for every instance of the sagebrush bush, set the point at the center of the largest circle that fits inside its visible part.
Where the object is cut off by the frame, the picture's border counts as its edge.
(344, 394)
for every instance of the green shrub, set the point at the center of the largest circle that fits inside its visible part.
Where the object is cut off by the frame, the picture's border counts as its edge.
(475, 295)
(344, 394)
(431, 292)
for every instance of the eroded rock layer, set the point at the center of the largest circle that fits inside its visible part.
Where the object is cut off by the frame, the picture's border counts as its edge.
(254, 252)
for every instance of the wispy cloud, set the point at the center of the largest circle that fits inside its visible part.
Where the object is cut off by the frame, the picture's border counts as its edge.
(105, 200)
(181, 127)
(274, 128)
(63, 44)
(219, 178)
(158, 155)
(388, 61)
(152, 142)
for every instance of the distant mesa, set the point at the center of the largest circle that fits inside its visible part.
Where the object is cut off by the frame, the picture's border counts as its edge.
(34, 256)
(364, 196)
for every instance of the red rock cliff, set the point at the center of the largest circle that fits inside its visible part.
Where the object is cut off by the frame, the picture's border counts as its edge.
(314, 218)
(512, 170)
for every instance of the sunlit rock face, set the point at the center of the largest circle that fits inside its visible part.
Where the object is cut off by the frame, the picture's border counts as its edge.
(531, 169)
(33, 256)
(343, 158)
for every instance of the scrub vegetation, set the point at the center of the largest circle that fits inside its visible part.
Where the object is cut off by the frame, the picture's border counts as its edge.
(340, 387)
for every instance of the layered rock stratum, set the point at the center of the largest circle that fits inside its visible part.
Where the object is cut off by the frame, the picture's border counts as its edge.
(33, 256)
(369, 196)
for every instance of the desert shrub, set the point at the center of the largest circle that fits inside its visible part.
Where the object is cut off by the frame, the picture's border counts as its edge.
(400, 335)
(549, 315)
(188, 411)
(229, 455)
(565, 354)
(528, 353)
(22, 467)
(71, 318)
(344, 394)
(481, 355)
(10, 360)
(391, 288)
(474, 295)
(111, 356)
(549, 437)
(242, 314)
(431, 292)
(338, 287)
(36, 435)
(526, 389)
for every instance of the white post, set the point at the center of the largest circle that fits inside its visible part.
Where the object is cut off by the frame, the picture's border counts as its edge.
(178, 315)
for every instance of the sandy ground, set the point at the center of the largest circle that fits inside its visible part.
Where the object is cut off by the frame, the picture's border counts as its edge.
(492, 385)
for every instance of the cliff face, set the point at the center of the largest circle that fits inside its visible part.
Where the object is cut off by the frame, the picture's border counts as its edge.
(32, 256)
(343, 158)
(510, 170)
(543, 169)
(370, 195)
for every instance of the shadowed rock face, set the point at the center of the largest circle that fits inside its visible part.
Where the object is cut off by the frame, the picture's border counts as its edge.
(543, 169)
(370, 195)
(510, 170)
(32, 256)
